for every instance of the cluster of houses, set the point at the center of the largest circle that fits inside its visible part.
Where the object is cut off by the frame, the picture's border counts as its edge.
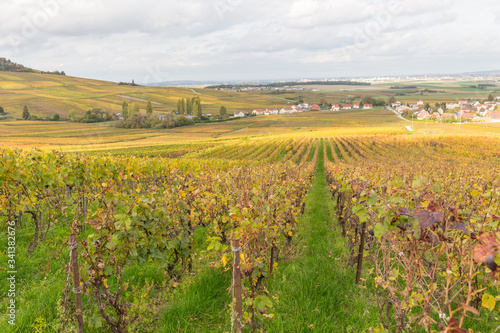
(463, 110)
(304, 107)
(338, 107)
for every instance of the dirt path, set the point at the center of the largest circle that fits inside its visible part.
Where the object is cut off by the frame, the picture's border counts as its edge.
(139, 100)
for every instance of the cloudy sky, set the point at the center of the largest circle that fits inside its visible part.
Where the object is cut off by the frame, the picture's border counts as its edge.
(151, 41)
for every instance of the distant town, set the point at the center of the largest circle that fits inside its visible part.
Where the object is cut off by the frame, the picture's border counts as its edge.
(464, 110)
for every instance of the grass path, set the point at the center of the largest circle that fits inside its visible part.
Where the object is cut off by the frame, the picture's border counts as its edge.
(312, 291)
(315, 291)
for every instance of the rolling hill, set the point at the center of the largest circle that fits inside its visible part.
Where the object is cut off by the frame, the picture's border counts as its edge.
(47, 94)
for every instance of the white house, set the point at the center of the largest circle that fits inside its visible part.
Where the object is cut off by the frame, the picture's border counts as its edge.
(240, 113)
(347, 107)
(368, 106)
(258, 112)
(355, 106)
(335, 107)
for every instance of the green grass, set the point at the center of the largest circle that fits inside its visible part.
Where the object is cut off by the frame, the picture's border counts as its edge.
(202, 306)
(313, 151)
(315, 288)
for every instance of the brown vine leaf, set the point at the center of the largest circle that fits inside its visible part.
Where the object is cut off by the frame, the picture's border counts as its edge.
(486, 247)
(427, 219)
(458, 226)
(469, 308)
(95, 224)
(453, 327)
(434, 206)
(403, 211)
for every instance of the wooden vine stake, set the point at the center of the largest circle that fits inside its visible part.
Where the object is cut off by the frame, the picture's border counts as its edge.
(238, 309)
(76, 281)
(361, 252)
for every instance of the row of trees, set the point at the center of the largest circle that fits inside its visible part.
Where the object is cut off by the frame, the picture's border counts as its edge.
(129, 110)
(190, 106)
(132, 117)
(2, 111)
(55, 72)
(169, 120)
(92, 116)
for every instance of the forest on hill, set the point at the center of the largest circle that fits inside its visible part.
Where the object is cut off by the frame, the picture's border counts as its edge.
(8, 66)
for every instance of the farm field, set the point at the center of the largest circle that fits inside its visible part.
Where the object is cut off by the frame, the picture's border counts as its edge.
(431, 91)
(66, 136)
(46, 94)
(340, 221)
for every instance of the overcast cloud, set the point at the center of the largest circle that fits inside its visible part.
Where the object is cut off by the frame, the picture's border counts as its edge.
(240, 39)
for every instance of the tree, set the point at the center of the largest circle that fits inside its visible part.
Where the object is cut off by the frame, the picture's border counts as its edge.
(368, 100)
(149, 108)
(189, 106)
(378, 102)
(223, 110)
(199, 110)
(125, 110)
(427, 106)
(491, 97)
(26, 113)
(133, 109)
(392, 100)
(179, 106)
(2, 110)
(56, 117)
(183, 106)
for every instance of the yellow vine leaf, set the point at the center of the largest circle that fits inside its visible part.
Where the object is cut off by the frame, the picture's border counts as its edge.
(488, 302)
(224, 260)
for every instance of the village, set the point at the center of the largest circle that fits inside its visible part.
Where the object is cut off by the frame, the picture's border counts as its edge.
(463, 111)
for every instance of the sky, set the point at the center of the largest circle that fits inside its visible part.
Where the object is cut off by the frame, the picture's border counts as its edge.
(227, 40)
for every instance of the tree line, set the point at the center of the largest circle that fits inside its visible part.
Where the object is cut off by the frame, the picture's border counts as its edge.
(8, 66)
(286, 84)
(132, 117)
(190, 106)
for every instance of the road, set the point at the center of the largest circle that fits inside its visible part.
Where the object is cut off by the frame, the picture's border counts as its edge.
(397, 114)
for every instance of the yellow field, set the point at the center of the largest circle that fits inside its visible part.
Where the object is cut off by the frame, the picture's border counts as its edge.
(47, 94)
(66, 136)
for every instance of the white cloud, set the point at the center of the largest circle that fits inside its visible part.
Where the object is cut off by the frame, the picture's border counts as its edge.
(113, 39)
